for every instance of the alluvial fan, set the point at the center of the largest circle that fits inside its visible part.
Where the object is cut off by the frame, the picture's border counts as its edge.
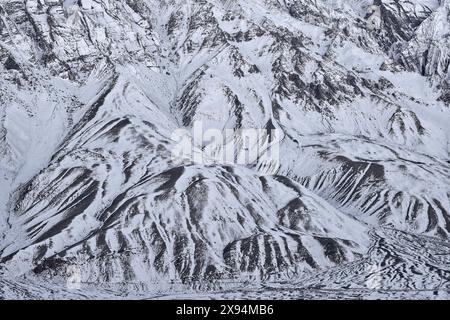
(354, 96)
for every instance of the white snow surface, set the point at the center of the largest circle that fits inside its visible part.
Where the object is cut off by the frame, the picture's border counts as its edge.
(92, 91)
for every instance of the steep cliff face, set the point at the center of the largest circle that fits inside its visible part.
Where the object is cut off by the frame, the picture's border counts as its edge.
(427, 51)
(92, 92)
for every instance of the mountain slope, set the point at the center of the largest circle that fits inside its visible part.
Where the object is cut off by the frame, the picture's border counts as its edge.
(92, 93)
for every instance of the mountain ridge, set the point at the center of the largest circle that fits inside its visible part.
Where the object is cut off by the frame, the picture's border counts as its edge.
(94, 90)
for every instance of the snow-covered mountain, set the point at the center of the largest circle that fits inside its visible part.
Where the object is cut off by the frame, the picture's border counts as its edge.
(358, 202)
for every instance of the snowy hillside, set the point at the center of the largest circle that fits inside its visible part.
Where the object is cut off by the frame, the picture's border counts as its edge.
(92, 92)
